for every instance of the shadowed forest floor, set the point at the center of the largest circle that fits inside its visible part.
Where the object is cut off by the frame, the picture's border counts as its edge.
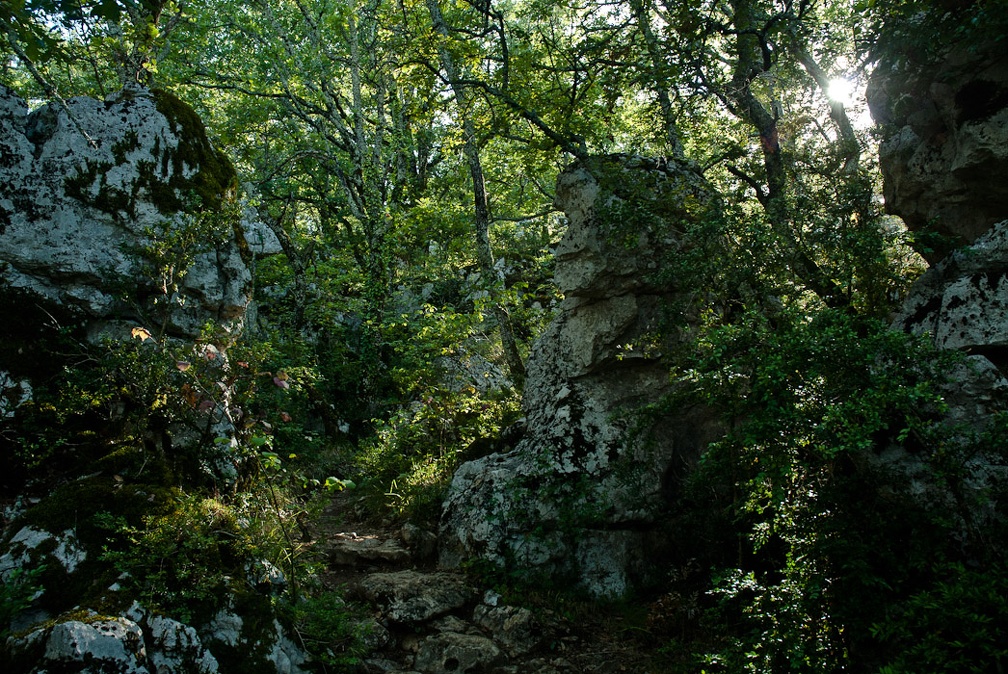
(436, 620)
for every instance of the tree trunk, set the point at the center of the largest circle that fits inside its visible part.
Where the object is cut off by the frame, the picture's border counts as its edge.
(484, 250)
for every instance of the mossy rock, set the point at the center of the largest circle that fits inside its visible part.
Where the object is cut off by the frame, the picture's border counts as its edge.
(74, 511)
(212, 182)
(215, 181)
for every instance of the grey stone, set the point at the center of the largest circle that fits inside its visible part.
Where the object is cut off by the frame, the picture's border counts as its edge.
(85, 195)
(226, 627)
(413, 597)
(513, 627)
(450, 623)
(962, 303)
(945, 151)
(262, 241)
(421, 543)
(232, 630)
(349, 549)
(264, 575)
(285, 655)
(177, 649)
(386, 666)
(449, 652)
(14, 392)
(587, 478)
(375, 636)
(96, 645)
(27, 545)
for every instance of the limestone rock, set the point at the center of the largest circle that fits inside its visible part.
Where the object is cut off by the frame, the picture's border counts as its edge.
(962, 303)
(385, 666)
(412, 597)
(582, 491)
(236, 638)
(262, 240)
(963, 300)
(264, 575)
(175, 646)
(284, 654)
(14, 392)
(422, 544)
(449, 652)
(117, 210)
(94, 645)
(946, 147)
(513, 627)
(226, 628)
(349, 549)
(31, 547)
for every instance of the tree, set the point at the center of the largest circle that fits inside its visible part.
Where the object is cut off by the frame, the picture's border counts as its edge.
(481, 204)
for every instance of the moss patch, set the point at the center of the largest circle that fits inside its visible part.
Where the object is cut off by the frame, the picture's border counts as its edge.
(164, 181)
(215, 181)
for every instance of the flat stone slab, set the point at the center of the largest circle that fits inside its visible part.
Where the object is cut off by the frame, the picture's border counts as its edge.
(450, 652)
(349, 549)
(414, 597)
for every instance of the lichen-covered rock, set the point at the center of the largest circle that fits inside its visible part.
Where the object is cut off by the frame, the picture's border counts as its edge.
(173, 647)
(449, 652)
(963, 300)
(512, 627)
(138, 642)
(255, 642)
(177, 648)
(583, 490)
(34, 548)
(962, 303)
(412, 597)
(98, 645)
(349, 549)
(945, 151)
(118, 209)
(13, 393)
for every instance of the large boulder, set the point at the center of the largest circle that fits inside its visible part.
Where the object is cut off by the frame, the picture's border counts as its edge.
(962, 304)
(120, 220)
(945, 151)
(122, 211)
(944, 116)
(581, 495)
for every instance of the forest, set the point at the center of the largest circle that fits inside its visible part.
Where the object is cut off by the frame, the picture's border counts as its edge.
(831, 496)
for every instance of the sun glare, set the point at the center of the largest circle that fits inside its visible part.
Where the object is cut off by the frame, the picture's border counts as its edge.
(841, 90)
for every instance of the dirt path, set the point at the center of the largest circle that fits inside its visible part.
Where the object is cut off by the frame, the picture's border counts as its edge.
(432, 621)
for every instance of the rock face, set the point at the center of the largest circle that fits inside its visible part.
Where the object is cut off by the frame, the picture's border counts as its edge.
(943, 158)
(582, 492)
(962, 303)
(943, 162)
(116, 210)
(117, 219)
(946, 147)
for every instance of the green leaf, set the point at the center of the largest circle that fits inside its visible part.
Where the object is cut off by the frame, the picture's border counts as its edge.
(336, 484)
(109, 10)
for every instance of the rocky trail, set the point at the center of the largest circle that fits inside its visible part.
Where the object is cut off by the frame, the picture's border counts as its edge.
(430, 620)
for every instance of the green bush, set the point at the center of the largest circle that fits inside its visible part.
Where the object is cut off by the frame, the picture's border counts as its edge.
(329, 628)
(832, 554)
(179, 562)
